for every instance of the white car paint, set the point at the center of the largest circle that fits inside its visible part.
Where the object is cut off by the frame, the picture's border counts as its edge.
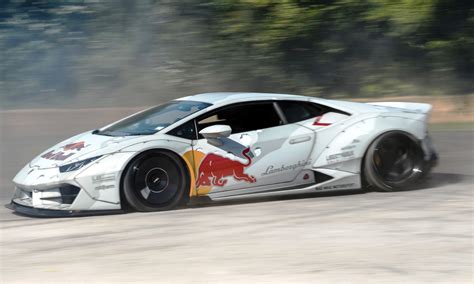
(284, 158)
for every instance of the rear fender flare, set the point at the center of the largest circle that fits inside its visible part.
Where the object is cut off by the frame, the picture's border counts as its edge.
(346, 150)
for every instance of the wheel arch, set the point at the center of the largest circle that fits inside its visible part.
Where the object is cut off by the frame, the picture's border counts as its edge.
(414, 138)
(369, 177)
(185, 165)
(354, 140)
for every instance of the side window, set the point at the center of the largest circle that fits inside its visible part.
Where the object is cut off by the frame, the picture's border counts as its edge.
(295, 111)
(243, 118)
(186, 131)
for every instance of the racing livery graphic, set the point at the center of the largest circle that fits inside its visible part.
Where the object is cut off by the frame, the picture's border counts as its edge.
(214, 168)
(61, 155)
(225, 145)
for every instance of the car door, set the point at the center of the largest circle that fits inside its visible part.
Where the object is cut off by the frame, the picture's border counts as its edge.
(262, 151)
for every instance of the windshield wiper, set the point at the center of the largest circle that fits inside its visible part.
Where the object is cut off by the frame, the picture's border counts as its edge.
(97, 132)
(123, 133)
(140, 133)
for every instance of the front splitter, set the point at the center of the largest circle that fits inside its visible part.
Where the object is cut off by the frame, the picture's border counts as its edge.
(42, 212)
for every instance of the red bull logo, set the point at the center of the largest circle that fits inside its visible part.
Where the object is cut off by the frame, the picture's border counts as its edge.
(74, 146)
(61, 155)
(214, 168)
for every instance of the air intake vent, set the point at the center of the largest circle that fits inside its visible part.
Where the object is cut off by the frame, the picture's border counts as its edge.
(320, 177)
(68, 193)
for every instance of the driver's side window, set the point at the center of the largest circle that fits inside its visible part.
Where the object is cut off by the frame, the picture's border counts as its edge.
(243, 117)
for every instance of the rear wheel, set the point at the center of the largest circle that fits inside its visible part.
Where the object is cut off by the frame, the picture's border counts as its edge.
(155, 181)
(394, 161)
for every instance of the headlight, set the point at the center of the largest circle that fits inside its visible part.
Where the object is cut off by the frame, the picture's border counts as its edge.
(76, 165)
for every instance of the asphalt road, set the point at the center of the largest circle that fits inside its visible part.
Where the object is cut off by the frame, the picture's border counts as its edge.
(419, 236)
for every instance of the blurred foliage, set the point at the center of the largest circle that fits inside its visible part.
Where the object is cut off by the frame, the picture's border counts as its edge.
(351, 47)
(97, 52)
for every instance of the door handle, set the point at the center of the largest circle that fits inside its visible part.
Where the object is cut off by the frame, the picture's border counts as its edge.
(300, 139)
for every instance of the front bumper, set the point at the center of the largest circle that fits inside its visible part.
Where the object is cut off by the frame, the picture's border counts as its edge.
(49, 192)
(57, 197)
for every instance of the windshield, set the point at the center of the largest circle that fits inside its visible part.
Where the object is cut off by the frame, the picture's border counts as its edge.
(153, 120)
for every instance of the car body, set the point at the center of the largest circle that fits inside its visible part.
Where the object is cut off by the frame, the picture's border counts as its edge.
(220, 145)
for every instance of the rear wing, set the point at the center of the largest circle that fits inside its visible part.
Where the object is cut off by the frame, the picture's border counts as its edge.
(416, 108)
(410, 107)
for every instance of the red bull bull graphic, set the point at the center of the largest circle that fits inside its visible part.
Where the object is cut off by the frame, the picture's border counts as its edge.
(63, 155)
(214, 168)
(211, 169)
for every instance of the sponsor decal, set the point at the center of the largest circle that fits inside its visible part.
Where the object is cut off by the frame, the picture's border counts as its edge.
(339, 186)
(335, 157)
(74, 146)
(104, 187)
(103, 178)
(67, 151)
(210, 169)
(336, 186)
(214, 168)
(350, 146)
(273, 170)
(340, 155)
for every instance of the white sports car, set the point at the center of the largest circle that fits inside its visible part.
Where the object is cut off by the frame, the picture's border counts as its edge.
(225, 145)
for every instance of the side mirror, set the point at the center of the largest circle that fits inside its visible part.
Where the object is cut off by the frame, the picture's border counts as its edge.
(216, 131)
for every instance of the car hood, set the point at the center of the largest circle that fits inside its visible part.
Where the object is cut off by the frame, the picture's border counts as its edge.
(79, 147)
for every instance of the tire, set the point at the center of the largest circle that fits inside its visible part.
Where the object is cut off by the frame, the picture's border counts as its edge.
(393, 162)
(155, 181)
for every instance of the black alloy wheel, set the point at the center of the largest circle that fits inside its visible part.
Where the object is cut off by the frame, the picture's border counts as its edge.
(155, 181)
(394, 161)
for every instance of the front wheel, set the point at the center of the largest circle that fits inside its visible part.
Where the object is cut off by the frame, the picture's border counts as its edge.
(394, 161)
(155, 181)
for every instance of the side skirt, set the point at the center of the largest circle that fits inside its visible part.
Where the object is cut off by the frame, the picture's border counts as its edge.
(341, 181)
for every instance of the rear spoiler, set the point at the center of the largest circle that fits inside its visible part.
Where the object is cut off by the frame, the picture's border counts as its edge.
(411, 107)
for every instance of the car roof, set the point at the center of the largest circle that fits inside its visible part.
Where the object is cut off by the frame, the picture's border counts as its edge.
(230, 97)
(219, 99)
